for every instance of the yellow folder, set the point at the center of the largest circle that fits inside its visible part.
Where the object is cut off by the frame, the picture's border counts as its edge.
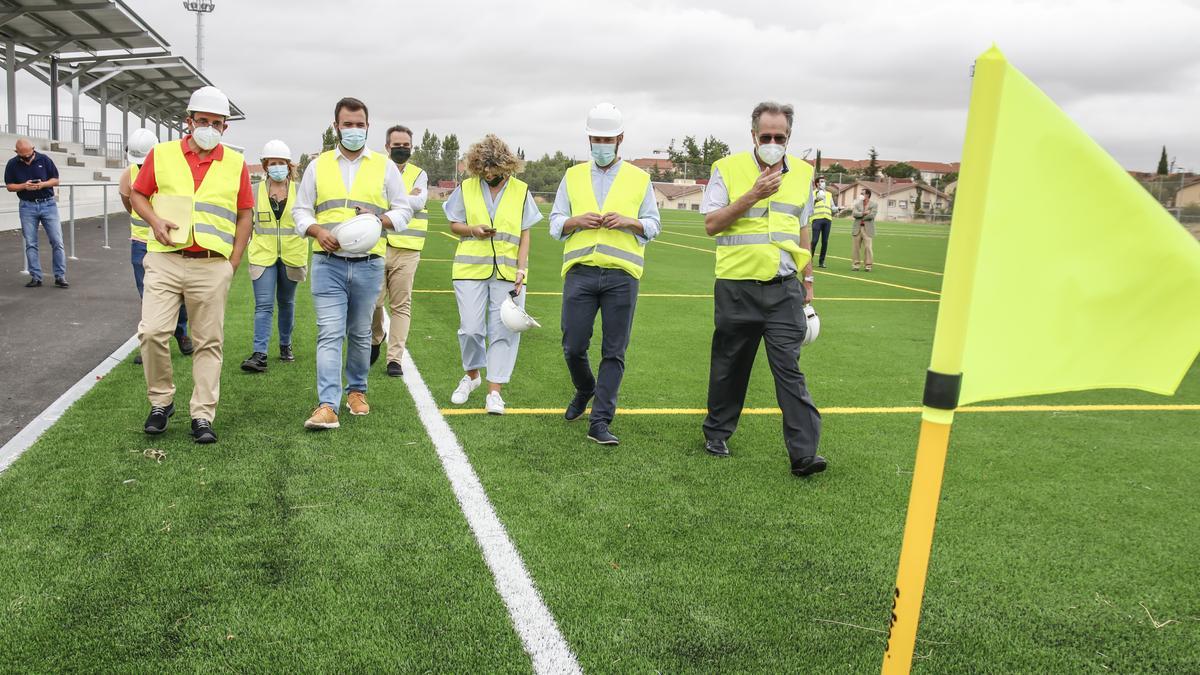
(176, 209)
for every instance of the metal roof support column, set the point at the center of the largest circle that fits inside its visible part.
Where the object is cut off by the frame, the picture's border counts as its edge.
(10, 78)
(53, 98)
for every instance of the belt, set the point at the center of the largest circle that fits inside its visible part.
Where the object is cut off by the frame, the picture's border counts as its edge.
(43, 199)
(327, 254)
(774, 280)
(198, 254)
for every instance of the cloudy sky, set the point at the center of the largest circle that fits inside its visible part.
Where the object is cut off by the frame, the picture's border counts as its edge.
(891, 75)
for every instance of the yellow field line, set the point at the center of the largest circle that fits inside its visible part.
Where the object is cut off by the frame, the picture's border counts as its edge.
(699, 295)
(905, 410)
(873, 281)
(702, 250)
(451, 236)
(836, 257)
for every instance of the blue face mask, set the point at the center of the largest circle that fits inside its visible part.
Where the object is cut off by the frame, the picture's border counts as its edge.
(278, 172)
(604, 153)
(354, 138)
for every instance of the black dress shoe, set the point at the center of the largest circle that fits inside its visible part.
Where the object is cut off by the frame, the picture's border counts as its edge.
(185, 344)
(285, 353)
(716, 447)
(375, 349)
(61, 282)
(394, 369)
(600, 433)
(577, 406)
(808, 466)
(202, 431)
(33, 283)
(156, 423)
(137, 359)
(257, 363)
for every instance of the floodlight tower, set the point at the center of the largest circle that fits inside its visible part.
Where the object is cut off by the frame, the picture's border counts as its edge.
(200, 7)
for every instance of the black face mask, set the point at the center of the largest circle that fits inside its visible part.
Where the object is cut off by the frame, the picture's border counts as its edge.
(27, 160)
(400, 155)
(495, 181)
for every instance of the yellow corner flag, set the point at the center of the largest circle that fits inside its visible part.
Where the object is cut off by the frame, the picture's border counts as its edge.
(1062, 274)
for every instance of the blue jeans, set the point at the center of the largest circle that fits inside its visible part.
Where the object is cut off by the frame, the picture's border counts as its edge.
(344, 295)
(47, 214)
(273, 286)
(137, 253)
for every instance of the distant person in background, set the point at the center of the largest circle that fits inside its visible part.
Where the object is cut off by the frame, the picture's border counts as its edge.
(278, 256)
(141, 141)
(864, 212)
(403, 255)
(822, 219)
(33, 177)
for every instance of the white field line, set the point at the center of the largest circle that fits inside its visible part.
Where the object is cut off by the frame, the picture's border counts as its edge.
(535, 625)
(38, 425)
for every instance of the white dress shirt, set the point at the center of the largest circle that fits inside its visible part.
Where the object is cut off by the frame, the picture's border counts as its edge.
(399, 209)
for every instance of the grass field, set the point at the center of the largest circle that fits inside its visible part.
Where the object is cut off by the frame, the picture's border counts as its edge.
(1067, 541)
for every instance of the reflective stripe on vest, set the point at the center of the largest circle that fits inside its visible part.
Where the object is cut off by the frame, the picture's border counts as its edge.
(334, 205)
(749, 248)
(822, 208)
(274, 239)
(613, 249)
(138, 228)
(412, 236)
(214, 203)
(480, 258)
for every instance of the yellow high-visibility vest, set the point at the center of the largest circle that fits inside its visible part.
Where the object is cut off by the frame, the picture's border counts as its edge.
(618, 249)
(479, 258)
(749, 249)
(276, 238)
(138, 228)
(214, 204)
(412, 236)
(335, 206)
(822, 208)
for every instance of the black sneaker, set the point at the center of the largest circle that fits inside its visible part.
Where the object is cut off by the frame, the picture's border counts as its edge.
(600, 433)
(202, 431)
(375, 349)
(821, 265)
(34, 283)
(137, 359)
(394, 369)
(257, 363)
(577, 406)
(61, 282)
(185, 344)
(808, 466)
(156, 423)
(285, 353)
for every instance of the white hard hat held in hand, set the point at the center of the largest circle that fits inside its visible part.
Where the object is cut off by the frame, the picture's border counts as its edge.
(210, 100)
(276, 149)
(605, 121)
(358, 235)
(514, 317)
(813, 325)
(141, 141)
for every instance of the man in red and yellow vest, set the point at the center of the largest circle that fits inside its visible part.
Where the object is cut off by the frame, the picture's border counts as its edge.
(605, 214)
(195, 196)
(757, 206)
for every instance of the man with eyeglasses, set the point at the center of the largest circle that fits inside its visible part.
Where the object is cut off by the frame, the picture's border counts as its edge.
(33, 177)
(195, 195)
(758, 206)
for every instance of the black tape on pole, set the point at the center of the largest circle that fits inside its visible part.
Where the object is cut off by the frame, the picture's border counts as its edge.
(941, 390)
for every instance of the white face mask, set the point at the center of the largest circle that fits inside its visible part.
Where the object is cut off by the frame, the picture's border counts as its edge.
(206, 137)
(771, 153)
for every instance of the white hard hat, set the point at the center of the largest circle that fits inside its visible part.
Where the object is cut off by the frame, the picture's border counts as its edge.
(359, 234)
(140, 143)
(276, 149)
(813, 325)
(605, 120)
(515, 318)
(210, 100)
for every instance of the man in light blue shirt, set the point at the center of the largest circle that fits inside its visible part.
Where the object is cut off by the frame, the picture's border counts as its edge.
(604, 230)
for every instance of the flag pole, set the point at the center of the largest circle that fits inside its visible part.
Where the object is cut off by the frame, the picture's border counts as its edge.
(944, 378)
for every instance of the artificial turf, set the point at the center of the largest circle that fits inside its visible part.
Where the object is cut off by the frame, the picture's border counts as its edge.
(1059, 535)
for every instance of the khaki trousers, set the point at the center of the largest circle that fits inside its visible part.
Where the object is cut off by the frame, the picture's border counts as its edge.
(203, 285)
(398, 272)
(862, 248)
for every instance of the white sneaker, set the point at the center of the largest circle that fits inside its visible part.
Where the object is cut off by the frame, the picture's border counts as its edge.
(465, 386)
(495, 404)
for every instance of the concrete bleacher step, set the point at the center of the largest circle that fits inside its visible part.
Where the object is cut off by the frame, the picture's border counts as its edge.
(114, 164)
(99, 176)
(55, 146)
(91, 152)
(72, 161)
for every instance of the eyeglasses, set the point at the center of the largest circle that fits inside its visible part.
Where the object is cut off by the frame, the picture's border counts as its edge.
(781, 139)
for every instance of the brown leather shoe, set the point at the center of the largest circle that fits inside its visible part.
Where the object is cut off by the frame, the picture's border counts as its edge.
(324, 417)
(357, 402)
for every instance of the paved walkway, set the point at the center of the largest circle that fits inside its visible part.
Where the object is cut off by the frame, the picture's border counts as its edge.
(51, 337)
